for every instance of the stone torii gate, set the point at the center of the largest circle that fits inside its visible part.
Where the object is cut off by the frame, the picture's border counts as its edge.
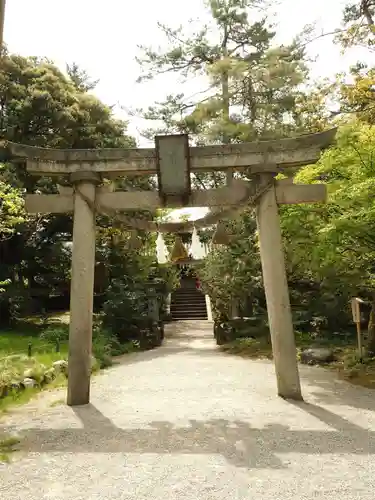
(172, 161)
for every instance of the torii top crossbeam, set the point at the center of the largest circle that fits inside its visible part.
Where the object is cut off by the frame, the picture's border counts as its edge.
(258, 157)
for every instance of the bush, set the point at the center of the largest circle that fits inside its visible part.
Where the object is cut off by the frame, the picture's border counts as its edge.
(250, 347)
(101, 346)
(55, 333)
(124, 311)
(227, 331)
(130, 347)
(105, 345)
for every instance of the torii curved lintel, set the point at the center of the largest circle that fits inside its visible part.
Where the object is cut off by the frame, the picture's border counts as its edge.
(272, 155)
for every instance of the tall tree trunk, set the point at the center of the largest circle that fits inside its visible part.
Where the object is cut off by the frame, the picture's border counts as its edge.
(225, 98)
(366, 10)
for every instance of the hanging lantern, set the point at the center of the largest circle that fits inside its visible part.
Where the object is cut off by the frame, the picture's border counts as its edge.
(179, 251)
(134, 241)
(221, 236)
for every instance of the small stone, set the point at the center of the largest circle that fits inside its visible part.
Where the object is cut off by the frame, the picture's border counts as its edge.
(15, 385)
(29, 382)
(60, 366)
(28, 373)
(316, 355)
(49, 375)
(18, 357)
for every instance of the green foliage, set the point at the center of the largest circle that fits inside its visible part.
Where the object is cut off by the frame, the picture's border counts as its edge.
(250, 347)
(358, 20)
(102, 347)
(134, 278)
(125, 309)
(42, 107)
(11, 208)
(330, 248)
(105, 345)
(54, 334)
(357, 96)
(333, 242)
(8, 446)
(232, 273)
(80, 79)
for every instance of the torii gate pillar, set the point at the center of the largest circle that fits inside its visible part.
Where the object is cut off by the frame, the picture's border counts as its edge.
(82, 284)
(277, 296)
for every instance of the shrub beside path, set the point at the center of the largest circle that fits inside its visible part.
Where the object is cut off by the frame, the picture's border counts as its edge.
(187, 421)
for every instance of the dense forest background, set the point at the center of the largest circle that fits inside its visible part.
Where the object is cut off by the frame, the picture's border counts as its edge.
(256, 90)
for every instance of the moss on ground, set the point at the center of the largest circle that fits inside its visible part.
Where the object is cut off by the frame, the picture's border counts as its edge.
(8, 445)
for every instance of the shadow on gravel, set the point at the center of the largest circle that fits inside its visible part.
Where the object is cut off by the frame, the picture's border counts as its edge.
(328, 390)
(239, 443)
(196, 338)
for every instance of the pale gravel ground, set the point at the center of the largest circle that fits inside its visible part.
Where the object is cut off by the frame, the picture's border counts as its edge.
(188, 422)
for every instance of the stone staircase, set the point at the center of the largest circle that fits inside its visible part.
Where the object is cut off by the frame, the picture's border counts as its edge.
(188, 303)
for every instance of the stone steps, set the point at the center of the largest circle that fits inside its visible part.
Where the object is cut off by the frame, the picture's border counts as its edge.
(188, 303)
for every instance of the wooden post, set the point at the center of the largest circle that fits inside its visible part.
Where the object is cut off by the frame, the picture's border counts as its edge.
(208, 307)
(234, 312)
(356, 313)
(277, 297)
(82, 290)
(168, 304)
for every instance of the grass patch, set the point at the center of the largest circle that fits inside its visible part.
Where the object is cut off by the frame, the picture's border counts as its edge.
(8, 446)
(15, 367)
(19, 398)
(16, 345)
(42, 337)
(18, 341)
(351, 368)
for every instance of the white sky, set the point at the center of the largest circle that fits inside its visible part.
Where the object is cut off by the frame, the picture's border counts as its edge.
(102, 37)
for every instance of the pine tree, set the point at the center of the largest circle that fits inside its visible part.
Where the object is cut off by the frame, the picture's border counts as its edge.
(80, 78)
(254, 86)
(359, 27)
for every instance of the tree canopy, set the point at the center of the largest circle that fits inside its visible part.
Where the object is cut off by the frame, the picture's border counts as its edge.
(258, 89)
(41, 106)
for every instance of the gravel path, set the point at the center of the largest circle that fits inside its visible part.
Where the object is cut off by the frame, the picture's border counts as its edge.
(188, 422)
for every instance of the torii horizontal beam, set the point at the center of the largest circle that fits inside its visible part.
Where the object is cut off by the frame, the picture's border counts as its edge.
(257, 157)
(286, 194)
